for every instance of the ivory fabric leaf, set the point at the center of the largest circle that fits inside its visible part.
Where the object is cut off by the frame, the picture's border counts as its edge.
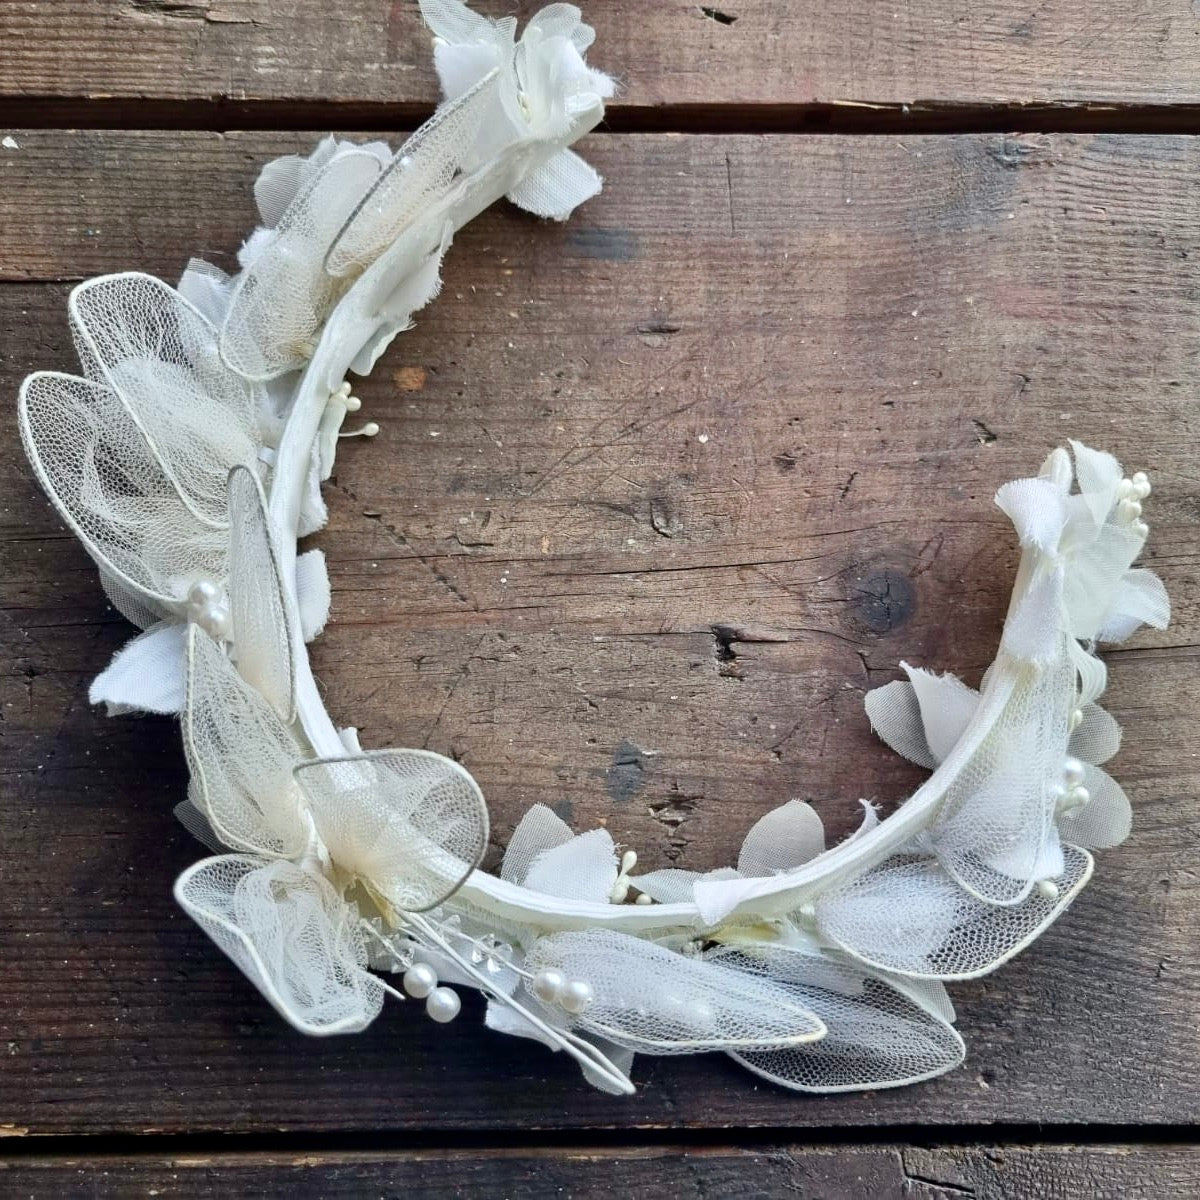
(410, 824)
(292, 936)
(585, 868)
(263, 645)
(148, 673)
(207, 289)
(558, 187)
(946, 705)
(1037, 509)
(313, 593)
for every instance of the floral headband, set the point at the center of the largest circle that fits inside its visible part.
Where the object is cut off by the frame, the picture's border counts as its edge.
(188, 458)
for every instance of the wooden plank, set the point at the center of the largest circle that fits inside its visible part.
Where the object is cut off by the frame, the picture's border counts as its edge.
(658, 494)
(885, 1172)
(825, 59)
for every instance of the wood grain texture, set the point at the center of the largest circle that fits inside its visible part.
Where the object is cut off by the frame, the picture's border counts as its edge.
(885, 1172)
(779, 54)
(659, 493)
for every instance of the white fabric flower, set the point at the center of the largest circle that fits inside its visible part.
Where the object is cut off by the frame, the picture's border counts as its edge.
(545, 87)
(1083, 544)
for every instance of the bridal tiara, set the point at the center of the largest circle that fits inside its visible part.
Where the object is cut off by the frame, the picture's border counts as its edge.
(188, 458)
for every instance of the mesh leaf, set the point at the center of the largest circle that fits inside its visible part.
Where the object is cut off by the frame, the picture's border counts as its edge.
(241, 756)
(159, 354)
(418, 176)
(97, 468)
(786, 837)
(1105, 820)
(262, 621)
(895, 716)
(998, 810)
(283, 296)
(877, 1036)
(1097, 738)
(291, 935)
(907, 915)
(411, 824)
(654, 1001)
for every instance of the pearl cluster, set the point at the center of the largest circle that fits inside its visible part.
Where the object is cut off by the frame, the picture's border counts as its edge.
(441, 1003)
(620, 889)
(553, 987)
(207, 608)
(343, 399)
(1071, 795)
(1130, 494)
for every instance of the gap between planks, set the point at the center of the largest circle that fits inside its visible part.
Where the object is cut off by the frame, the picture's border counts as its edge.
(832, 116)
(16, 1143)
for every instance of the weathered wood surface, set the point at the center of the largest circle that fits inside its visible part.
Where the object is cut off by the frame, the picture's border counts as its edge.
(658, 494)
(1119, 1172)
(823, 57)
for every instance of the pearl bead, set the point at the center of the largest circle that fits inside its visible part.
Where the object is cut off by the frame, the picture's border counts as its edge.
(370, 429)
(1140, 528)
(1141, 485)
(1129, 509)
(343, 388)
(1048, 889)
(202, 593)
(548, 985)
(353, 404)
(576, 996)
(1076, 719)
(1073, 772)
(215, 619)
(644, 899)
(419, 980)
(443, 1005)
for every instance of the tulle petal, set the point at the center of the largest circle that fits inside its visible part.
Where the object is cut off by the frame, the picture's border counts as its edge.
(410, 824)
(291, 935)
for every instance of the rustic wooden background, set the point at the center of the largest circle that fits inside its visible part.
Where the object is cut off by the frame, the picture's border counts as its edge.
(658, 494)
